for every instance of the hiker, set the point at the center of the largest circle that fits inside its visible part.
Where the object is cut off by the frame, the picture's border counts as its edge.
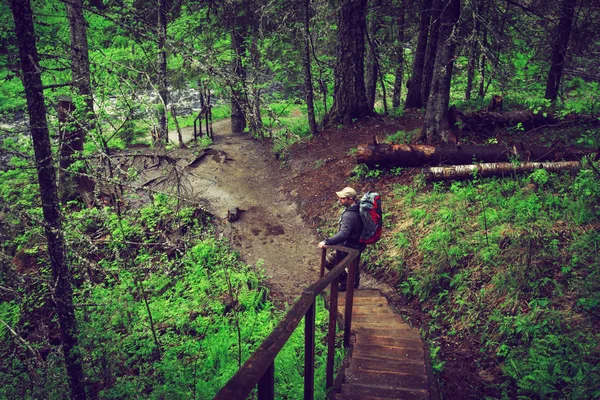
(348, 235)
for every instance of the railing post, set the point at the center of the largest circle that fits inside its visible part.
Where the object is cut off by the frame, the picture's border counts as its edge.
(323, 259)
(309, 353)
(349, 302)
(333, 311)
(266, 385)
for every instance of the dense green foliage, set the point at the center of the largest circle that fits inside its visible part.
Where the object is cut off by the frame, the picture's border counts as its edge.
(154, 270)
(167, 310)
(510, 264)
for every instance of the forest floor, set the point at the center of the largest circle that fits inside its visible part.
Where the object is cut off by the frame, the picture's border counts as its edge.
(286, 199)
(281, 203)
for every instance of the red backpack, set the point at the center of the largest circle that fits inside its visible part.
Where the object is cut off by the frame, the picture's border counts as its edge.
(371, 216)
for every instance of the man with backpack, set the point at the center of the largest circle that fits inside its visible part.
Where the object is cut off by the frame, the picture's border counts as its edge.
(349, 233)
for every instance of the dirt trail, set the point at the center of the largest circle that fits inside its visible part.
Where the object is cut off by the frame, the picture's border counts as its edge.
(235, 173)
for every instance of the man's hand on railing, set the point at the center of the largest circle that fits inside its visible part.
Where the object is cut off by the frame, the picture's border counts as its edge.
(322, 245)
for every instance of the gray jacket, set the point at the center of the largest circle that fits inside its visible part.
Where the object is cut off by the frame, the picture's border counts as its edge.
(350, 229)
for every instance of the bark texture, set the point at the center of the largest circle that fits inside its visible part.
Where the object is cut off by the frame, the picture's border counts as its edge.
(413, 96)
(437, 127)
(78, 185)
(163, 91)
(432, 45)
(63, 294)
(350, 100)
(559, 49)
(308, 85)
(400, 155)
(238, 102)
(401, 18)
(487, 170)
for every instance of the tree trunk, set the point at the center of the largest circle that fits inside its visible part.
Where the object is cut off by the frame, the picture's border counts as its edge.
(372, 64)
(400, 55)
(432, 44)
(349, 99)
(437, 126)
(81, 81)
(254, 113)
(473, 48)
(238, 103)
(308, 85)
(163, 91)
(63, 294)
(495, 169)
(483, 122)
(559, 49)
(413, 97)
(401, 155)
(70, 134)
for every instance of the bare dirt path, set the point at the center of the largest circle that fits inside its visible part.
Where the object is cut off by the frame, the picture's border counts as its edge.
(235, 173)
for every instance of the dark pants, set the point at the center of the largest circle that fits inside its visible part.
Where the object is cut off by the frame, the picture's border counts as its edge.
(331, 262)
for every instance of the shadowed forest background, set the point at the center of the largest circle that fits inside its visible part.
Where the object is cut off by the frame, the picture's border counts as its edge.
(117, 286)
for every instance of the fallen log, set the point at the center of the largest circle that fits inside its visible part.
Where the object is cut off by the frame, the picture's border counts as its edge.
(488, 121)
(401, 155)
(455, 172)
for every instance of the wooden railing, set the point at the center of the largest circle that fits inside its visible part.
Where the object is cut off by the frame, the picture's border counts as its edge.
(260, 367)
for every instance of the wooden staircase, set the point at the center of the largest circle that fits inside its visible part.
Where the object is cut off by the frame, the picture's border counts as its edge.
(388, 361)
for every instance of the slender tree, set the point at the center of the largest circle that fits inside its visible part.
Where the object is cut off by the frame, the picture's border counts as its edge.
(306, 66)
(238, 26)
(63, 293)
(432, 44)
(372, 61)
(72, 139)
(400, 19)
(473, 49)
(559, 49)
(349, 99)
(437, 126)
(163, 90)
(413, 97)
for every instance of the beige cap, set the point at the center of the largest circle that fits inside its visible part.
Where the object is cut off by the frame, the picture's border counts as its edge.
(346, 192)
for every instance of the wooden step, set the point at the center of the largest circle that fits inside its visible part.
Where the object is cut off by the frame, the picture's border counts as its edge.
(355, 391)
(395, 331)
(385, 379)
(394, 353)
(395, 341)
(387, 365)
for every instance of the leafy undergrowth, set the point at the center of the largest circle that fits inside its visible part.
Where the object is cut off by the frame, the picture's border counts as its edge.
(509, 268)
(164, 308)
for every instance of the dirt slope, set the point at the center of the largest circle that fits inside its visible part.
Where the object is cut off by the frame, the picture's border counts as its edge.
(281, 203)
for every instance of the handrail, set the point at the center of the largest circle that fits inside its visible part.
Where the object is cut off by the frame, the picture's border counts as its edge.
(259, 369)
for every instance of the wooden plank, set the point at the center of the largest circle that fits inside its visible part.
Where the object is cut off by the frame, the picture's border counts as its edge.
(386, 379)
(361, 391)
(382, 364)
(388, 319)
(404, 331)
(395, 353)
(405, 343)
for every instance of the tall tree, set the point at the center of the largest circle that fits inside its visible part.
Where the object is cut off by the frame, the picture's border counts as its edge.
(349, 98)
(239, 27)
(559, 49)
(63, 293)
(372, 61)
(163, 90)
(83, 119)
(306, 66)
(473, 49)
(432, 44)
(413, 97)
(436, 126)
(400, 19)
